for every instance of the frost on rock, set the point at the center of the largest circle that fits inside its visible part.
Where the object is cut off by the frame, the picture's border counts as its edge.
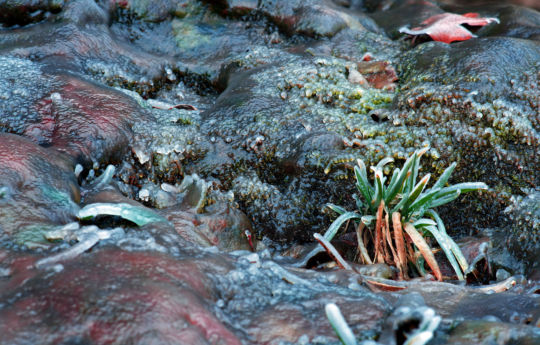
(190, 194)
(287, 295)
(525, 231)
(194, 191)
(87, 237)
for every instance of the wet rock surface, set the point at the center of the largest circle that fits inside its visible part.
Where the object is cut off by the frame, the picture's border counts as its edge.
(20, 13)
(39, 189)
(230, 124)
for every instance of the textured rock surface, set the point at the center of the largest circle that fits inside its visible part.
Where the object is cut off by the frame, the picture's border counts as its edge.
(88, 121)
(38, 189)
(226, 116)
(167, 307)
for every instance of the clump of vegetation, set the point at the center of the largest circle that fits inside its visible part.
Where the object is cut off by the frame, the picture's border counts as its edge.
(394, 220)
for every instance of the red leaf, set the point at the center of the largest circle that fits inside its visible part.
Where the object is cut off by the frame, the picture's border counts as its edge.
(379, 74)
(446, 27)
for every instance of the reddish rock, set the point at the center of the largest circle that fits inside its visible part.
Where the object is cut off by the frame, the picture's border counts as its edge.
(285, 322)
(85, 120)
(379, 74)
(220, 225)
(114, 297)
(39, 188)
(88, 121)
(80, 39)
(23, 12)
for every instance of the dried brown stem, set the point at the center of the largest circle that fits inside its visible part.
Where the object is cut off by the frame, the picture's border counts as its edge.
(331, 250)
(401, 259)
(379, 255)
(424, 248)
(389, 237)
(362, 251)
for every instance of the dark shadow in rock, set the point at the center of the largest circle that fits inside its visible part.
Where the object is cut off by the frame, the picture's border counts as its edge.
(200, 41)
(405, 13)
(16, 13)
(296, 162)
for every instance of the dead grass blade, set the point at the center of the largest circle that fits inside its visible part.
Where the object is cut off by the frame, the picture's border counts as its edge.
(389, 237)
(363, 253)
(401, 258)
(498, 287)
(379, 255)
(331, 250)
(424, 248)
(378, 284)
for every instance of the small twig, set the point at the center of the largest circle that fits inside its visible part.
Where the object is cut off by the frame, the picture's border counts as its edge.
(347, 225)
(375, 284)
(498, 287)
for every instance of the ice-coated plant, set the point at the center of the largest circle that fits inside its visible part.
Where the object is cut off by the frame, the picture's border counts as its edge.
(136, 214)
(396, 217)
(420, 335)
(339, 324)
(3, 192)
